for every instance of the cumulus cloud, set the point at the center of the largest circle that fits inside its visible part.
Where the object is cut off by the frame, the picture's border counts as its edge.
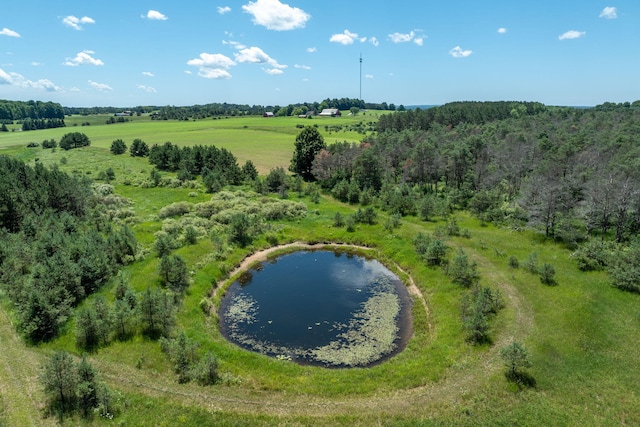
(18, 80)
(572, 34)
(368, 76)
(236, 45)
(154, 15)
(458, 52)
(302, 67)
(502, 30)
(212, 65)
(76, 23)
(374, 41)
(609, 12)
(148, 74)
(345, 38)
(8, 32)
(223, 9)
(312, 49)
(147, 88)
(255, 55)
(412, 36)
(100, 86)
(275, 15)
(83, 58)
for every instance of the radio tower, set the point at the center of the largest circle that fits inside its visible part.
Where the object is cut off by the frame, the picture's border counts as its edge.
(360, 76)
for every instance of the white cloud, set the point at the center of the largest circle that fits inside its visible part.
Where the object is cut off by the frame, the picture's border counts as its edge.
(148, 74)
(8, 32)
(82, 58)
(147, 88)
(223, 9)
(609, 12)
(458, 52)
(374, 41)
(273, 71)
(255, 55)
(76, 23)
(572, 34)
(100, 86)
(234, 44)
(18, 80)
(156, 16)
(368, 76)
(401, 38)
(312, 49)
(345, 38)
(36, 64)
(502, 30)
(212, 65)
(275, 15)
(302, 67)
(412, 36)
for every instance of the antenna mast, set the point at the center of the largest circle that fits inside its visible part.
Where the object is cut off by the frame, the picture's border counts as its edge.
(361, 76)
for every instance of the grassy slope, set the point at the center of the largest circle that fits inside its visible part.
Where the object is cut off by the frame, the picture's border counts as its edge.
(582, 335)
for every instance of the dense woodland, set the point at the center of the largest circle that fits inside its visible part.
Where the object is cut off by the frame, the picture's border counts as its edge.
(57, 245)
(572, 174)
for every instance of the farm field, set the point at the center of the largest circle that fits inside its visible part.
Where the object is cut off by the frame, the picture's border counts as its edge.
(268, 142)
(583, 335)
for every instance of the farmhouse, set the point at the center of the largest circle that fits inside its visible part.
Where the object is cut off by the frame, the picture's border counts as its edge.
(330, 112)
(268, 114)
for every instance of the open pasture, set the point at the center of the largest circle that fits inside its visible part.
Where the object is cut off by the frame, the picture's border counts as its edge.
(267, 142)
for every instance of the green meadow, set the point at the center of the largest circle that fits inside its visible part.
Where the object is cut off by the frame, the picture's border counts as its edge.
(583, 335)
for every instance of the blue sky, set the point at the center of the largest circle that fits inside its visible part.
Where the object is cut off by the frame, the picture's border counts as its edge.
(278, 52)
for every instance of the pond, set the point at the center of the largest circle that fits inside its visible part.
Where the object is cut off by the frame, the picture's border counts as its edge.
(319, 307)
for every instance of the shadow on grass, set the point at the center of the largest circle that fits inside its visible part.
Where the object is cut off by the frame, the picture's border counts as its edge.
(521, 379)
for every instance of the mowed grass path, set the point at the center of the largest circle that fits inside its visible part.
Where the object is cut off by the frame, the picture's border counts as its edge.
(267, 142)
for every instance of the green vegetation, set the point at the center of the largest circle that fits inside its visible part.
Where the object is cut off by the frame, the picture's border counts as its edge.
(525, 191)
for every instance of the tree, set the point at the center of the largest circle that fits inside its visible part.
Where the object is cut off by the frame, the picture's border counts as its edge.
(139, 148)
(118, 147)
(516, 360)
(547, 274)
(463, 271)
(74, 140)
(182, 352)
(249, 171)
(239, 229)
(206, 371)
(308, 143)
(87, 388)
(174, 273)
(60, 381)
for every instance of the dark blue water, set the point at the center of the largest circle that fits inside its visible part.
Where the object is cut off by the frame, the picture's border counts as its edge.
(305, 300)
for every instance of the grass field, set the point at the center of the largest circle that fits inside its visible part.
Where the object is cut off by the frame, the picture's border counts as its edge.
(583, 335)
(267, 142)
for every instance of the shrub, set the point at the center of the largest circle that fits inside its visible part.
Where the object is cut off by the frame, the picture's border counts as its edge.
(175, 209)
(547, 274)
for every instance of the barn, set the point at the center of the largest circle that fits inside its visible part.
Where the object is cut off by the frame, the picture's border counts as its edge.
(330, 112)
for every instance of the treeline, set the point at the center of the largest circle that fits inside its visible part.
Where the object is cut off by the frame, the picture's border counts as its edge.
(18, 110)
(216, 110)
(217, 166)
(56, 247)
(455, 113)
(571, 173)
(37, 124)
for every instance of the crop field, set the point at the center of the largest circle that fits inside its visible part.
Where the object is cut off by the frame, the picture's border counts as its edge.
(583, 335)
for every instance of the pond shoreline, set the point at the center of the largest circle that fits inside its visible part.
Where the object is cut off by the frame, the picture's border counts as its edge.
(263, 255)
